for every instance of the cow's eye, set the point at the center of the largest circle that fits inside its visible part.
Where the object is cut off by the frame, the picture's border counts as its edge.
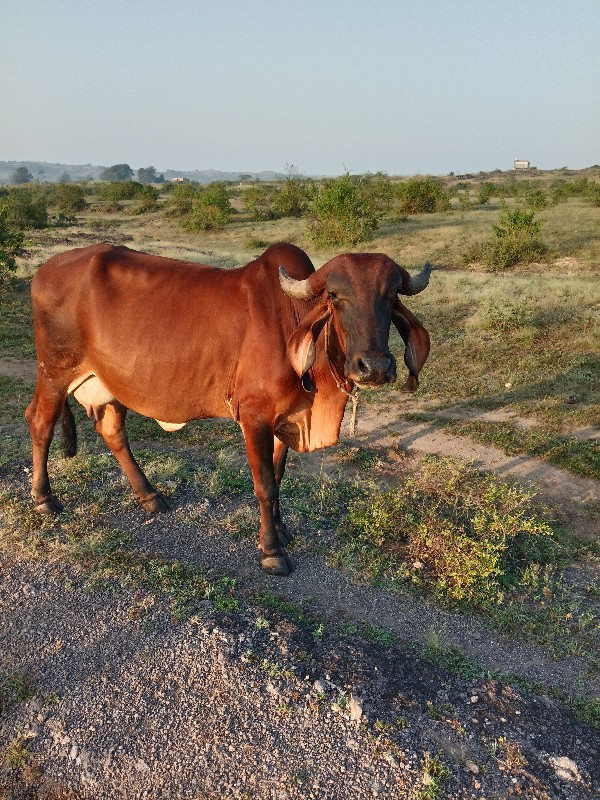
(332, 295)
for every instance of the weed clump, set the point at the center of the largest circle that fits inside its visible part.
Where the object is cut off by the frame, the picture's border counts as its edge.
(462, 534)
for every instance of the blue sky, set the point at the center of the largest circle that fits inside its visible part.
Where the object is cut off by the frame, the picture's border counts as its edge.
(407, 86)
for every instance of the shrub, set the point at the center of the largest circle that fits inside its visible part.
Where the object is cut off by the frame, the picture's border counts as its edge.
(210, 209)
(182, 199)
(291, 200)
(24, 208)
(68, 199)
(594, 194)
(377, 190)
(516, 240)
(340, 215)
(147, 198)
(464, 534)
(258, 202)
(536, 200)
(486, 192)
(11, 242)
(422, 196)
(120, 190)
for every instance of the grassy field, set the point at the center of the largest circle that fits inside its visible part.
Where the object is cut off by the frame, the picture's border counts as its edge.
(524, 343)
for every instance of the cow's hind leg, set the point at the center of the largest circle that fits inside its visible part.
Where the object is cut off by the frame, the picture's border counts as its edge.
(279, 459)
(42, 414)
(111, 426)
(260, 449)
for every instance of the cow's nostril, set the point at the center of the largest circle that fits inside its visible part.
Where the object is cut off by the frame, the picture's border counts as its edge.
(363, 369)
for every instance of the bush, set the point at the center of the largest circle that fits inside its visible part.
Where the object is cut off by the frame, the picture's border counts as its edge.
(486, 192)
(462, 533)
(259, 203)
(340, 215)
(120, 190)
(11, 242)
(422, 196)
(147, 198)
(537, 199)
(516, 240)
(24, 208)
(594, 194)
(291, 200)
(210, 209)
(68, 199)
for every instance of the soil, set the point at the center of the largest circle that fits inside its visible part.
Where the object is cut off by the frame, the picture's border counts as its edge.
(124, 701)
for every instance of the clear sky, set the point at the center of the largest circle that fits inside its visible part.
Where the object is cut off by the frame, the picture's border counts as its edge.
(403, 86)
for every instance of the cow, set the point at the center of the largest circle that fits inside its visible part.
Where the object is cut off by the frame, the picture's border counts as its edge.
(275, 344)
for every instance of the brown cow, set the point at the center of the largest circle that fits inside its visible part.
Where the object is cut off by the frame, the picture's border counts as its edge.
(274, 344)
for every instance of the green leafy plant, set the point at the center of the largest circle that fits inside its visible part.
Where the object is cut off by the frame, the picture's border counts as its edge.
(24, 208)
(340, 215)
(210, 209)
(11, 243)
(460, 533)
(516, 239)
(68, 198)
(422, 196)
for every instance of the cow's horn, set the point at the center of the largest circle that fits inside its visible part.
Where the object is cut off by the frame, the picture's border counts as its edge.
(417, 283)
(299, 290)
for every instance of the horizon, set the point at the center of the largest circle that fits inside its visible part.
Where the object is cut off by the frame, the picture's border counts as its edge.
(429, 89)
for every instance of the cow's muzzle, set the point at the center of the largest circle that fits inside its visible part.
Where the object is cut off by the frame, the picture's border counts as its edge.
(372, 370)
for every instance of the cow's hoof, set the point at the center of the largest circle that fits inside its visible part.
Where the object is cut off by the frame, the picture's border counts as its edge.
(49, 506)
(284, 535)
(411, 384)
(155, 504)
(277, 564)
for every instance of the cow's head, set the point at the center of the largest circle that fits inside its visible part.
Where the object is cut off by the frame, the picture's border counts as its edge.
(357, 298)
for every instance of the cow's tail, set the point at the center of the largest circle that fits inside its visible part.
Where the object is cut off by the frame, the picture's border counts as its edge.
(69, 432)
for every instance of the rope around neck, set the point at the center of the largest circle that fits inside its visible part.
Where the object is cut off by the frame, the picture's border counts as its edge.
(353, 393)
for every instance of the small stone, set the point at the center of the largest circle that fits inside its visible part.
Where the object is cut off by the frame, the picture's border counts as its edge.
(73, 752)
(355, 707)
(477, 784)
(141, 766)
(474, 698)
(472, 767)
(320, 686)
(565, 768)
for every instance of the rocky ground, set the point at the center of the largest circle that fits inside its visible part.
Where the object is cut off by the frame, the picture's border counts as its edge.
(314, 686)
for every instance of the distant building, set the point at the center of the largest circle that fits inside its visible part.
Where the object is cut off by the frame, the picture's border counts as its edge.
(187, 180)
(520, 164)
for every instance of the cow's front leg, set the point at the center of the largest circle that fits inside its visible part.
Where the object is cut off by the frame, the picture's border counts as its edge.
(260, 449)
(279, 459)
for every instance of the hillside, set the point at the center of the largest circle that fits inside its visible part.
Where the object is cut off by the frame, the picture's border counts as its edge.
(44, 171)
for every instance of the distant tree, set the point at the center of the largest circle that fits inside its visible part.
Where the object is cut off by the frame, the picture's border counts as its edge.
(118, 172)
(245, 176)
(65, 178)
(22, 175)
(147, 175)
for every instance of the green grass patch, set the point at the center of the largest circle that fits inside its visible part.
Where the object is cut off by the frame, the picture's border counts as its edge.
(581, 457)
(454, 531)
(14, 688)
(106, 556)
(16, 330)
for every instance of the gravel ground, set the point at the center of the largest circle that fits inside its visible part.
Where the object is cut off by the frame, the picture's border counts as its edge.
(250, 704)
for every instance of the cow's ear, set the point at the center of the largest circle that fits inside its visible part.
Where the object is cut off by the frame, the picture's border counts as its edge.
(416, 343)
(301, 349)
